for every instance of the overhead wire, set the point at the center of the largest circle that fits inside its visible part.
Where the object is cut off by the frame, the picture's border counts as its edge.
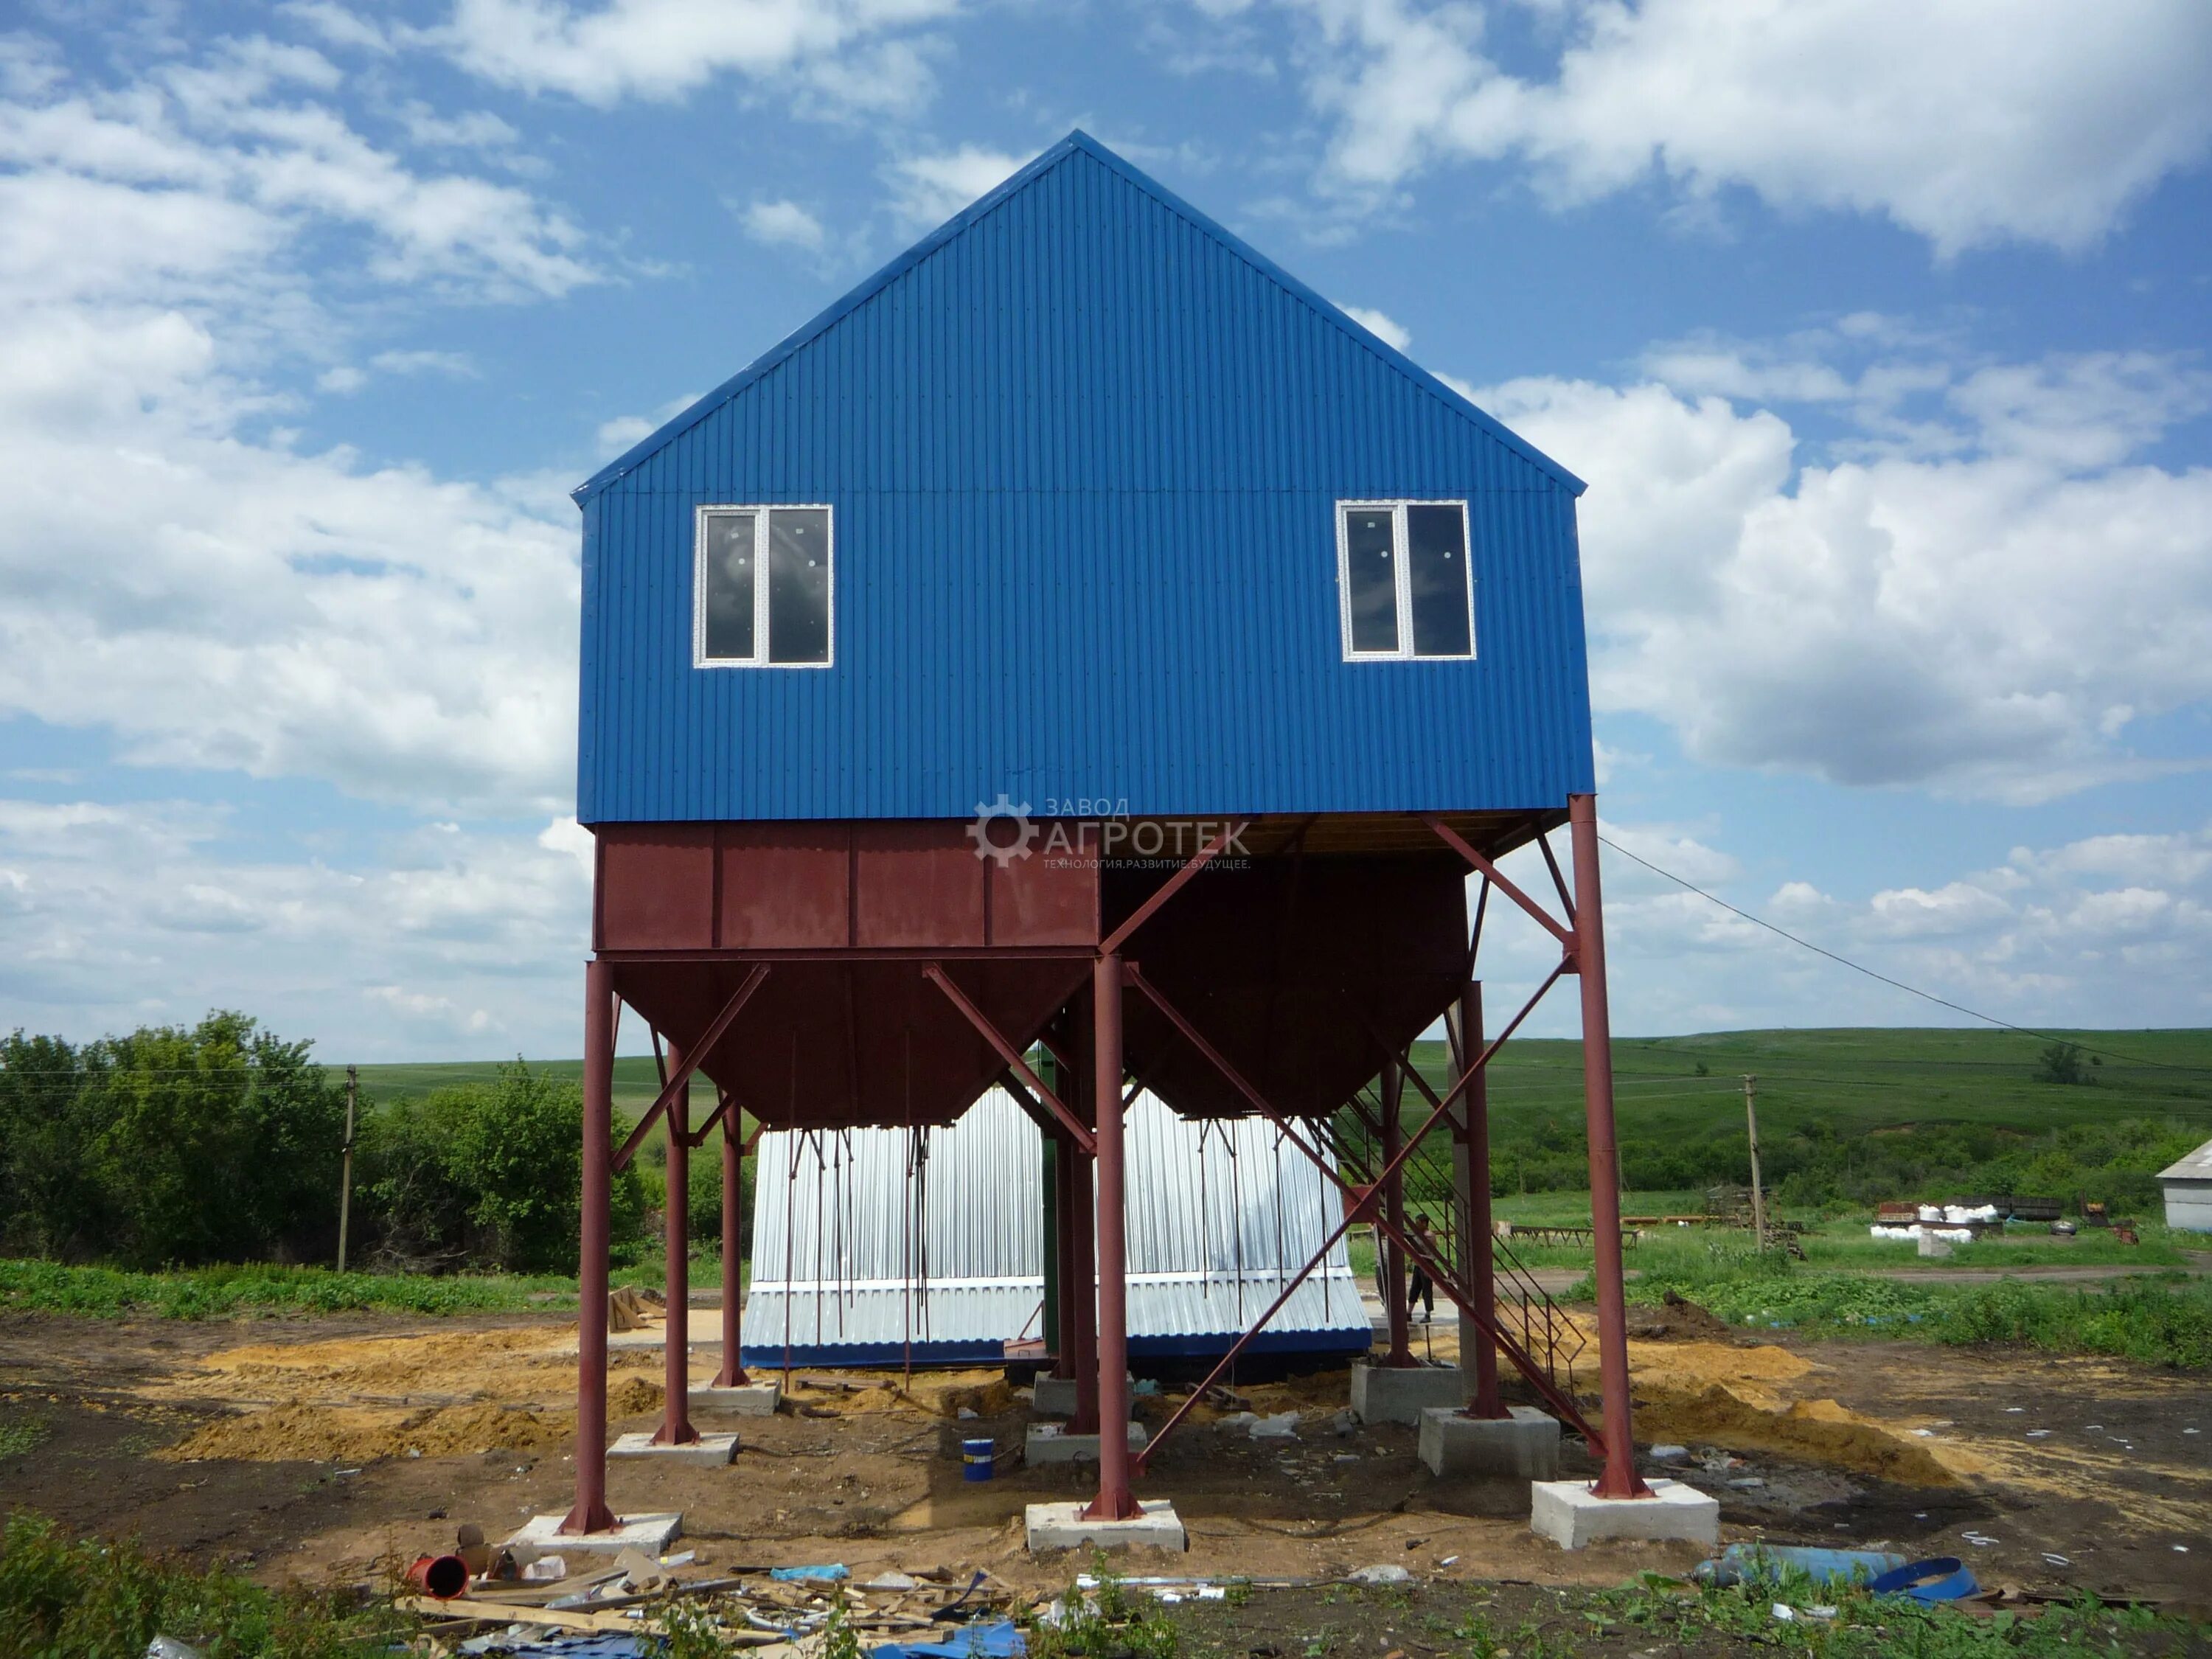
(1874, 974)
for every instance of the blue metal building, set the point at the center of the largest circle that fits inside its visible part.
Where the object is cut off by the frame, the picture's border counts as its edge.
(1083, 635)
(1082, 452)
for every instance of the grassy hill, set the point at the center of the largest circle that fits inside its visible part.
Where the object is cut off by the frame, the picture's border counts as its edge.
(1850, 1111)
(1855, 1081)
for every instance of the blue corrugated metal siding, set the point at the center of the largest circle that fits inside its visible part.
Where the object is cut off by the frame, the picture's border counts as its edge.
(1084, 452)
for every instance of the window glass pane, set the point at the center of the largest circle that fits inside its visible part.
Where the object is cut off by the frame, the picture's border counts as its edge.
(799, 584)
(1372, 591)
(1436, 564)
(729, 585)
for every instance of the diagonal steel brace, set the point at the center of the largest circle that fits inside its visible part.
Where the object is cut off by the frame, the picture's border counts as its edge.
(1020, 1067)
(1483, 1319)
(692, 1056)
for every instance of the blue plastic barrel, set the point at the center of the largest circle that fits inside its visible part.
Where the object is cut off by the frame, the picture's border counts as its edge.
(977, 1459)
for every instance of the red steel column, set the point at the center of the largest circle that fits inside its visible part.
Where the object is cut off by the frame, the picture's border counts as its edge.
(1620, 1479)
(1114, 1502)
(1065, 1339)
(732, 1373)
(1482, 1267)
(1393, 1212)
(1083, 1234)
(591, 1513)
(675, 1428)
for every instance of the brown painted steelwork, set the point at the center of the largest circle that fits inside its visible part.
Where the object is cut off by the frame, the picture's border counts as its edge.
(732, 1373)
(590, 1513)
(675, 1428)
(1620, 1479)
(829, 974)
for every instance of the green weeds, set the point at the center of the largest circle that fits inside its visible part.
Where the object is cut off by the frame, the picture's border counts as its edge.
(64, 1596)
(1107, 1622)
(2162, 1321)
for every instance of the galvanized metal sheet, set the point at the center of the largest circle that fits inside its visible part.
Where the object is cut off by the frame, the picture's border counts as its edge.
(870, 1239)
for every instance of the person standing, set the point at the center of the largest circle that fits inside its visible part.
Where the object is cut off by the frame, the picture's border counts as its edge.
(1421, 1290)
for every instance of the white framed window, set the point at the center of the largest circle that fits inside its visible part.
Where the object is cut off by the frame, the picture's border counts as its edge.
(764, 587)
(1405, 584)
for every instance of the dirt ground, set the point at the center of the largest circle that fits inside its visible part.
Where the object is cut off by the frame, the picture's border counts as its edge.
(320, 1448)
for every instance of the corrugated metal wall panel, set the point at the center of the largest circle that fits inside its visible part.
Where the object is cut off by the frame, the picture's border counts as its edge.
(1085, 454)
(1219, 1218)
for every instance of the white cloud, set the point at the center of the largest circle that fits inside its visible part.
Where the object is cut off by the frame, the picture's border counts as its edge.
(1980, 594)
(2108, 931)
(927, 190)
(211, 165)
(626, 431)
(783, 224)
(339, 27)
(1382, 326)
(1962, 120)
(199, 587)
(460, 941)
(454, 365)
(667, 49)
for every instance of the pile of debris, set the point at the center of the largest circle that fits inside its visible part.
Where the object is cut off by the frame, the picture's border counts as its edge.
(477, 1600)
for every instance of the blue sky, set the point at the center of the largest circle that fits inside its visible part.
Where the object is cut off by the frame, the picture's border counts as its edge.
(1878, 328)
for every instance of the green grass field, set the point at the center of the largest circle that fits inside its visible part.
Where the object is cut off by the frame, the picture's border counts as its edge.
(1856, 1080)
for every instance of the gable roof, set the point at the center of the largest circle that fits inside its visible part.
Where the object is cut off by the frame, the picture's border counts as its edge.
(1076, 142)
(2198, 1166)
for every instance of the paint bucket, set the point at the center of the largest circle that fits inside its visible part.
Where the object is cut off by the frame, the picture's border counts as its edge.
(977, 1459)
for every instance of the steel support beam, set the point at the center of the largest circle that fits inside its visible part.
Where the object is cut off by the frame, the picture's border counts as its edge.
(675, 1428)
(732, 1373)
(590, 1512)
(1082, 1234)
(1471, 1172)
(689, 1063)
(1398, 1306)
(1110, 950)
(1620, 1479)
(1364, 1207)
(1451, 838)
(1015, 1061)
(1114, 1502)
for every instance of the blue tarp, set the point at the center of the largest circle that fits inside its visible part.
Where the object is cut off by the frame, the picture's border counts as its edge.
(994, 1641)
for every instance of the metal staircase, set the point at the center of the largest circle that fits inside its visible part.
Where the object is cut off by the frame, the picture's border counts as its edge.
(1551, 1342)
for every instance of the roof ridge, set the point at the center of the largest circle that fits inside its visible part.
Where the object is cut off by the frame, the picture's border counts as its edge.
(1458, 402)
(1075, 141)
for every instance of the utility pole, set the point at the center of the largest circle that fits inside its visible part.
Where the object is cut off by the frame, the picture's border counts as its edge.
(345, 1178)
(1751, 1122)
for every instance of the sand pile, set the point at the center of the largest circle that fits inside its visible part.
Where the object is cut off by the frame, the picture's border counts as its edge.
(354, 1400)
(1804, 1431)
(327, 1434)
(931, 1394)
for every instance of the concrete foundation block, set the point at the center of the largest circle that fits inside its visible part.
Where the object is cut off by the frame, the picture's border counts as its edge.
(1047, 1445)
(1568, 1514)
(1524, 1446)
(1383, 1394)
(1062, 1527)
(707, 1451)
(1055, 1396)
(650, 1535)
(749, 1399)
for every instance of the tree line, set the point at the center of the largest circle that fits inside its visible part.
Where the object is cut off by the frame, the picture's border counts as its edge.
(179, 1145)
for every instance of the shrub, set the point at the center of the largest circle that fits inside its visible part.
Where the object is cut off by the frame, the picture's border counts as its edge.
(60, 1596)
